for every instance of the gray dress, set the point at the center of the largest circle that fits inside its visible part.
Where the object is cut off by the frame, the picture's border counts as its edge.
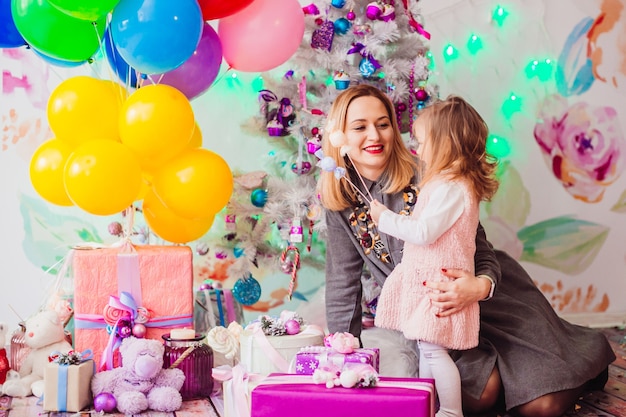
(536, 351)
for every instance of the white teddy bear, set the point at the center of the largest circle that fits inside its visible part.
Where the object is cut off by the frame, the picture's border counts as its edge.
(44, 335)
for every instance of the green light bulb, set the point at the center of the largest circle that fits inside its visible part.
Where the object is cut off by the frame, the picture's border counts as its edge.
(257, 84)
(381, 75)
(498, 146)
(511, 105)
(474, 44)
(431, 58)
(450, 53)
(499, 14)
(545, 70)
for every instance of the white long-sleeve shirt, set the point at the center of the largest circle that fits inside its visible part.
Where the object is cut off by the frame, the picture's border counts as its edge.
(443, 209)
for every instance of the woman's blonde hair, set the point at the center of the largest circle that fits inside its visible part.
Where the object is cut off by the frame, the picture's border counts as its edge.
(457, 139)
(338, 194)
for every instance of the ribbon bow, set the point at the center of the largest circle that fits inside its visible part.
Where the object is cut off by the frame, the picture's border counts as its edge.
(236, 390)
(360, 49)
(70, 358)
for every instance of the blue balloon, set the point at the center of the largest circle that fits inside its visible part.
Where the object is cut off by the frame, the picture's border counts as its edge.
(10, 37)
(124, 72)
(156, 36)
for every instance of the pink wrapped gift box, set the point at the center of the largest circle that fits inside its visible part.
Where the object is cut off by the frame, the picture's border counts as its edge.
(280, 395)
(312, 357)
(164, 287)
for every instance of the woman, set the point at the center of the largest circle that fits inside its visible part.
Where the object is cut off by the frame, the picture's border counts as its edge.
(528, 361)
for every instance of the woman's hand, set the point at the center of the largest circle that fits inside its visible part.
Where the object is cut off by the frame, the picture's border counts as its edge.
(465, 289)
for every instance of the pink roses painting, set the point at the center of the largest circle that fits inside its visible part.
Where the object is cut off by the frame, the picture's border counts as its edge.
(582, 144)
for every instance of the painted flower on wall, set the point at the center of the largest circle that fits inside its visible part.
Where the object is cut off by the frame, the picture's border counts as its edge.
(582, 144)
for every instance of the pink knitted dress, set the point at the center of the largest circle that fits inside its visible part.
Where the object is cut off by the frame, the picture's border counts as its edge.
(404, 304)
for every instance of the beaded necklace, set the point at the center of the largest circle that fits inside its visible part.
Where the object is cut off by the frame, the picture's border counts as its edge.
(365, 230)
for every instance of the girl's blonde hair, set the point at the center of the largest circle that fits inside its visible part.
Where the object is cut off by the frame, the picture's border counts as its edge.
(457, 138)
(338, 194)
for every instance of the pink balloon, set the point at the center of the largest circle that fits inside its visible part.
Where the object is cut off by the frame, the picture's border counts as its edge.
(194, 76)
(262, 36)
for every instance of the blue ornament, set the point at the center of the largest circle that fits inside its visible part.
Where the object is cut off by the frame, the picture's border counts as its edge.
(342, 25)
(237, 252)
(366, 67)
(247, 291)
(258, 198)
(338, 3)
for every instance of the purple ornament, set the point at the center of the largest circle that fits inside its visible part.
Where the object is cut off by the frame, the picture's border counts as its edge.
(139, 330)
(104, 402)
(351, 15)
(373, 11)
(421, 95)
(292, 327)
(301, 168)
(322, 37)
(124, 331)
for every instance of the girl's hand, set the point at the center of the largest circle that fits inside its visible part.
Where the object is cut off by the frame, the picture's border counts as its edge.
(376, 209)
(465, 289)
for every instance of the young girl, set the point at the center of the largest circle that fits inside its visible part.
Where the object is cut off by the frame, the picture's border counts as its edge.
(440, 233)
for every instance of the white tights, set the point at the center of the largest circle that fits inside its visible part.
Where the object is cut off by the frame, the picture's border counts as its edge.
(436, 363)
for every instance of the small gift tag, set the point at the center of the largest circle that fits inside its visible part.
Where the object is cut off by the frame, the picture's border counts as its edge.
(322, 38)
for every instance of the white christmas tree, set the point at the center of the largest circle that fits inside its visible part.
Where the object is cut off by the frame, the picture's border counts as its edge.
(272, 216)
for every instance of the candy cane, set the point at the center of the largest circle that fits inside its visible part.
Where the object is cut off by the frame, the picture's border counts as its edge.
(294, 269)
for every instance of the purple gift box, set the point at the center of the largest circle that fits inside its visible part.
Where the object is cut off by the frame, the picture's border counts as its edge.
(309, 358)
(279, 395)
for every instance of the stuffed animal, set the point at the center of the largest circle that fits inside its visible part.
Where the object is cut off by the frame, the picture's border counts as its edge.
(141, 383)
(4, 360)
(44, 335)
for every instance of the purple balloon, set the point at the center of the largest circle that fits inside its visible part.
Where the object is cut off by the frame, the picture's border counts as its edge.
(194, 76)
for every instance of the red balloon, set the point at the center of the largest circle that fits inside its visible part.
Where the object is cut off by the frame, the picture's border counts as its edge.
(216, 9)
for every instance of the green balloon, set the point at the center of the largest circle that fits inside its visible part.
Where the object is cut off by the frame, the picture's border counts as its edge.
(90, 10)
(55, 33)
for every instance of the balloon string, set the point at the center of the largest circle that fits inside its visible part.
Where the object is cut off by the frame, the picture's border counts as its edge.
(103, 51)
(221, 76)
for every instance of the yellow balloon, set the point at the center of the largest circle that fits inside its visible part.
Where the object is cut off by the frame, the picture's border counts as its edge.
(83, 108)
(46, 171)
(156, 122)
(102, 177)
(196, 138)
(171, 227)
(194, 184)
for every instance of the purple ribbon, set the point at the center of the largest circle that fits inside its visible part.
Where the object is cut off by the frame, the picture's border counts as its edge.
(359, 48)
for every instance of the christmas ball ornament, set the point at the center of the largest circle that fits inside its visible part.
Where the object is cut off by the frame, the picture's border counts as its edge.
(104, 402)
(421, 95)
(202, 248)
(366, 67)
(237, 252)
(292, 327)
(373, 11)
(139, 330)
(338, 3)
(247, 291)
(342, 25)
(205, 286)
(351, 15)
(258, 197)
(124, 331)
(301, 168)
(311, 9)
